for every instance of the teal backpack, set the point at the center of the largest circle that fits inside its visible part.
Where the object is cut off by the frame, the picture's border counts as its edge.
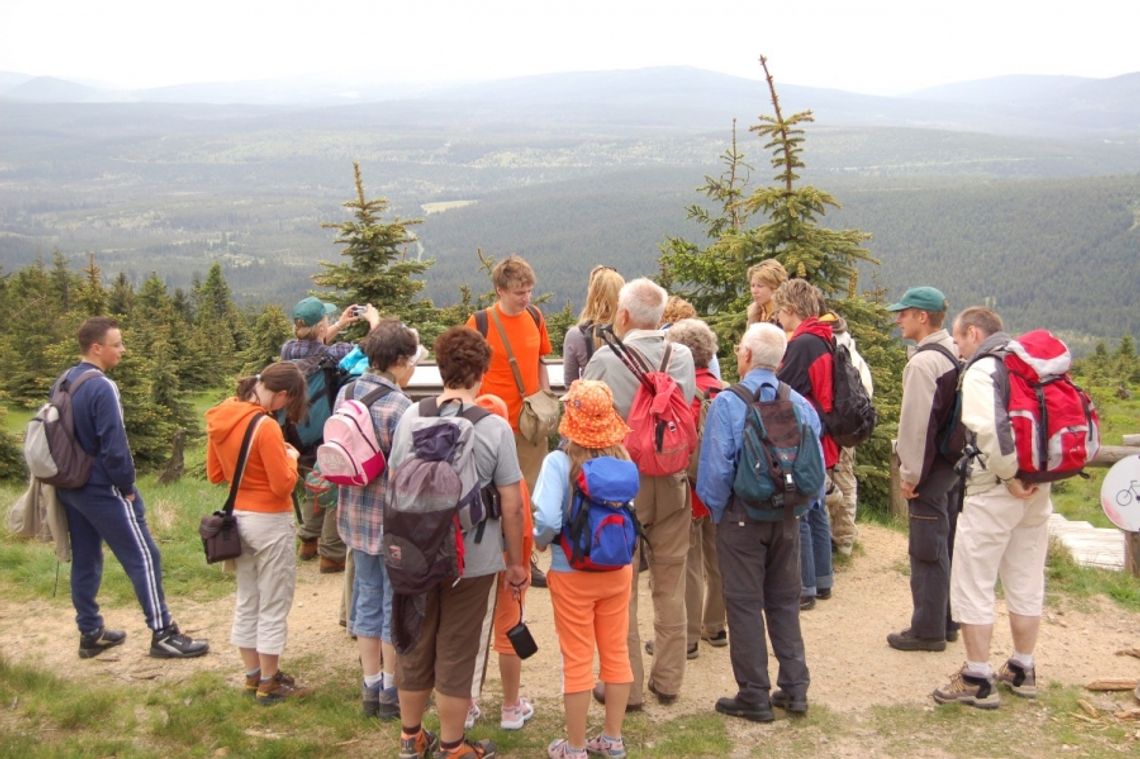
(781, 467)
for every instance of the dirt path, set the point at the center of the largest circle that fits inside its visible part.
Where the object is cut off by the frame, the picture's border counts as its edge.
(851, 666)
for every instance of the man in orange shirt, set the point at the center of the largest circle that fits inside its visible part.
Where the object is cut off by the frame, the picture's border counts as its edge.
(525, 330)
(523, 325)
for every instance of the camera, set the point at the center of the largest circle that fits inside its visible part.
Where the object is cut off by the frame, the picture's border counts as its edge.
(359, 310)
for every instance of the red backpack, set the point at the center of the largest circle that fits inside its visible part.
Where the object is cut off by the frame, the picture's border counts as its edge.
(1056, 429)
(662, 433)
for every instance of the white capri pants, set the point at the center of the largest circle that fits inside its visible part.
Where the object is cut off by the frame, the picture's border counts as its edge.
(266, 578)
(1000, 536)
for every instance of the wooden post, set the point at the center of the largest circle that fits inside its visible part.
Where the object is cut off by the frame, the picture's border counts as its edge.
(1110, 454)
(898, 503)
(1131, 439)
(1132, 553)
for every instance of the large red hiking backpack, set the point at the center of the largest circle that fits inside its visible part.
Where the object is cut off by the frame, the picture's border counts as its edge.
(662, 432)
(1056, 429)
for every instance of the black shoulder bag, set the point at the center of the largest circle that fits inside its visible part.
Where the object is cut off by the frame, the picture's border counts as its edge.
(219, 530)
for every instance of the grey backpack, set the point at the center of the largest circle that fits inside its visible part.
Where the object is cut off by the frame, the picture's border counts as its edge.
(433, 499)
(51, 451)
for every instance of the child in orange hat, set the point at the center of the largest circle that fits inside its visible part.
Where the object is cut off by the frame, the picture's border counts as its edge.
(591, 609)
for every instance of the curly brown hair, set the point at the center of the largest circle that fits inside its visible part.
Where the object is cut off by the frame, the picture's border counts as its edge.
(462, 356)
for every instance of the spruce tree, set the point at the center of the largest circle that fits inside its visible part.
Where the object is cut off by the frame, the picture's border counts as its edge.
(378, 269)
(713, 276)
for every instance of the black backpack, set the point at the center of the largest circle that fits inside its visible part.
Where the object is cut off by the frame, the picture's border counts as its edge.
(951, 435)
(852, 417)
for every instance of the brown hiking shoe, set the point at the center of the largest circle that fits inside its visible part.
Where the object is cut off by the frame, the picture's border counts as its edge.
(980, 692)
(418, 746)
(254, 680)
(908, 641)
(1023, 682)
(308, 550)
(331, 566)
(278, 688)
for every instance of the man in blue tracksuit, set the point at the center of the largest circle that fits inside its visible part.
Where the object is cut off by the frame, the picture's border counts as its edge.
(109, 508)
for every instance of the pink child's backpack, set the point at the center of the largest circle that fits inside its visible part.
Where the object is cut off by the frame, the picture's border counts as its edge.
(350, 454)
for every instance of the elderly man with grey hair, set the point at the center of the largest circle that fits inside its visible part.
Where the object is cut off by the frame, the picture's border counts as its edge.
(662, 503)
(759, 561)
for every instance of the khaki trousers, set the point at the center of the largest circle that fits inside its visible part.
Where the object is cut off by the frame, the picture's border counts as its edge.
(842, 502)
(530, 459)
(664, 510)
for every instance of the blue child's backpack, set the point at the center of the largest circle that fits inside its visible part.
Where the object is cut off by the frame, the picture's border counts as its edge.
(600, 529)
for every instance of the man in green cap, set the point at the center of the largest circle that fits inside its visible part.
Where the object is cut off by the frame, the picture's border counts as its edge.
(927, 479)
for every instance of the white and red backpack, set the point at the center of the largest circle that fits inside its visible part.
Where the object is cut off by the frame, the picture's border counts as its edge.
(350, 454)
(1056, 429)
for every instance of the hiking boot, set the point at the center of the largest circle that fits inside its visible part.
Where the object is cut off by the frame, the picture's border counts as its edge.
(308, 549)
(417, 746)
(980, 692)
(560, 749)
(170, 643)
(473, 713)
(537, 576)
(691, 653)
(807, 603)
(720, 640)
(1022, 681)
(908, 641)
(734, 707)
(254, 680)
(95, 643)
(599, 692)
(483, 749)
(276, 689)
(788, 703)
(331, 566)
(823, 594)
(370, 700)
(664, 698)
(389, 704)
(606, 747)
(514, 717)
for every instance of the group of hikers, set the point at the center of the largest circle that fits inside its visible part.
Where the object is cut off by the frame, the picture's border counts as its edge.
(733, 498)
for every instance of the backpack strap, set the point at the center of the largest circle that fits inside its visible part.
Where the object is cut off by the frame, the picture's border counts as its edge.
(481, 322)
(372, 396)
(510, 353)
(940, 348)
(473, 414)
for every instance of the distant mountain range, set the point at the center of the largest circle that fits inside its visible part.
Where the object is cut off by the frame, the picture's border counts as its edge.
(677, 97)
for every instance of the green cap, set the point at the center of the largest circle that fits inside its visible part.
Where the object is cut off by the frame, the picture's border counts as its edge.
(922, 298)
(332, 313)
(309, 311)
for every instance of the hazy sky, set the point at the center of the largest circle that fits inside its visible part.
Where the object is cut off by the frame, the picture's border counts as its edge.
(874, 46)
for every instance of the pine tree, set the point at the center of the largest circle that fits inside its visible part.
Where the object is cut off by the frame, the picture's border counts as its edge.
(270, 330)
(92, 298)
(714, 276)
(378, 270)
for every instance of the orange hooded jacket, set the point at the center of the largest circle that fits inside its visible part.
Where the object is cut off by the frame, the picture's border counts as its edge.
(270, 473)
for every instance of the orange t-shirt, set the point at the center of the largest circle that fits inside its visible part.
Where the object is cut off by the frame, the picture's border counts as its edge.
(530, 343)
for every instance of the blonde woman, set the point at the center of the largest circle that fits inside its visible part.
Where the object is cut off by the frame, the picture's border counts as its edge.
(763, 280)
(598, 313)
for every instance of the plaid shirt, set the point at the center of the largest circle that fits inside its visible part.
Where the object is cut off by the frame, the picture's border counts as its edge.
(360, 512)
(296, 349)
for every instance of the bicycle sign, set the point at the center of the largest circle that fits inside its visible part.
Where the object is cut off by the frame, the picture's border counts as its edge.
(1120, 494)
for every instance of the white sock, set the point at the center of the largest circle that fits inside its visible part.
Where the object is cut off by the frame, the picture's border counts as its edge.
(389, 680)
(1025, 661)
(252, 672)
(371, 681)
(979, 669)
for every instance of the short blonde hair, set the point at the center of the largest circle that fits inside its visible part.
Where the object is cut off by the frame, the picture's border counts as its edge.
(799, 296)
(698, 337)
(769, 271)
(512, 271)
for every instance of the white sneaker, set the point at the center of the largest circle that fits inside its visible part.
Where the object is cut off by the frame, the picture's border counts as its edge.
(514, 717)
(473, 713)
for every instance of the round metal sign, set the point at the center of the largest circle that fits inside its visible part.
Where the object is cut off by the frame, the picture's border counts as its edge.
(1120, 494)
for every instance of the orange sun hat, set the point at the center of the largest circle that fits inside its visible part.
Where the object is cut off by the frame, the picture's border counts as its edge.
(589, 417)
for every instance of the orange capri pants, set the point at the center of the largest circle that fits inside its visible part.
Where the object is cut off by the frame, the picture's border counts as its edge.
(506, 607)
(591, 612)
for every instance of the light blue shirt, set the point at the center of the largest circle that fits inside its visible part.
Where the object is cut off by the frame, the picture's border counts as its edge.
(724, 434)
(549, 498)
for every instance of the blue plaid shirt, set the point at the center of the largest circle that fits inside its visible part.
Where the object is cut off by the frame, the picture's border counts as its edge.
(296, 349)
(360, 512)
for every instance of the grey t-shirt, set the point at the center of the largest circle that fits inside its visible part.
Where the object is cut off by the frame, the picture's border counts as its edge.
(496, 460)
